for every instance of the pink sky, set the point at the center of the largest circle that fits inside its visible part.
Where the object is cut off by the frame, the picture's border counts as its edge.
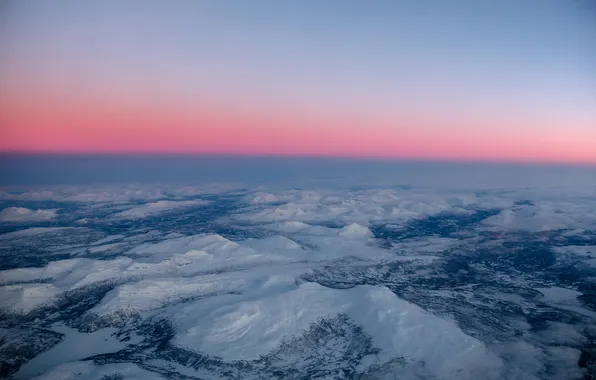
(85, 125)
(504, 82)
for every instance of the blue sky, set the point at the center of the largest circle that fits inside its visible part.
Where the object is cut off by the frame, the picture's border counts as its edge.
(482, 71)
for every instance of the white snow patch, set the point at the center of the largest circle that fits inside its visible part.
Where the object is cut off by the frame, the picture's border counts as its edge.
(288, 226)
(23, 298)
(21, 214)
(75, 346)
(250, 328)
(579, 250)
(355, 231)
(155, 293)
(565, 299)
(559, 295)
(104, 248)
(425, 246)
(52, 271)
(563, 363)
(86, 370)
(360, 207)
(563, 334)
(545, 216)
(262, 198)
(591, 262)
(151, 294)
(35, 231)
(159, 207)
(108, 239)
(276, 243)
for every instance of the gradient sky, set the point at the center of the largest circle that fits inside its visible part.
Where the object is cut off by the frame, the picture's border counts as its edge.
(463, 79)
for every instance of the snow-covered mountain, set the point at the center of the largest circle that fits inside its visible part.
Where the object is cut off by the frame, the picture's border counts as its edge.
(224, 282)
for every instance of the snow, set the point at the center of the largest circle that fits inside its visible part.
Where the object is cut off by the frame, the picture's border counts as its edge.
(68, 274)
(211, 242)
(289, 226)
(21, 214)
(75, 346)
(159, 207)
(34, 231)
(270, 244)
(261, 198)
(424, 246)
(355, 230)
(154, 293)
(559, 295)
(591, 262)
(563, 363)
(563, 334)
(198, 254)
(159, 262)
(25, 297)
(105, 247)
(524, 219)
(151, 294)
(545, 216)
(88, 272)
(239, 298)
(359, 207)
(247, 329)
(108, 239)
(585, 253)
(579, 250)
(86, 370)
(52, 270)
(565, 299)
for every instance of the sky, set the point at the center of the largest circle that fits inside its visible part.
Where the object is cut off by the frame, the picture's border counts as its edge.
(507, 80)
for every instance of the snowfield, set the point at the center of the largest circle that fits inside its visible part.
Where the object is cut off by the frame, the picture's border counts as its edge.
(246, 330)
(21, 214)
(155, 208)
(231, 282)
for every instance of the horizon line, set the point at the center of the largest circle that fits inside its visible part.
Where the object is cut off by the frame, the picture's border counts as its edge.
(383, 158)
